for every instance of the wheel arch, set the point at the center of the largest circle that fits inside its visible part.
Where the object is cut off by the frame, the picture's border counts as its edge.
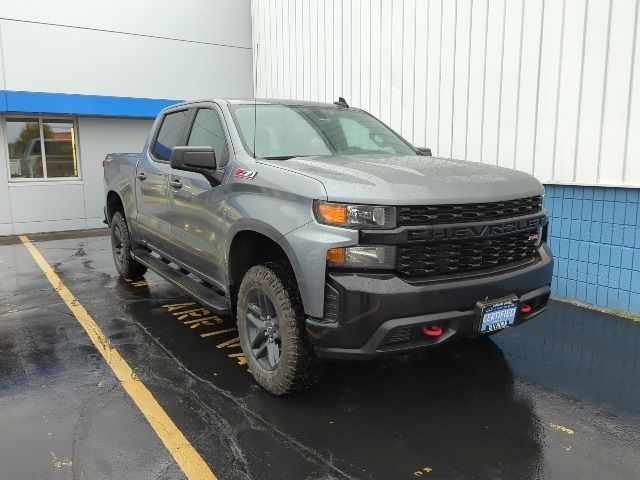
(255, 244)
(114, 204)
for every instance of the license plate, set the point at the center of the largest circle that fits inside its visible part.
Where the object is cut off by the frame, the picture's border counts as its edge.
(499, 315)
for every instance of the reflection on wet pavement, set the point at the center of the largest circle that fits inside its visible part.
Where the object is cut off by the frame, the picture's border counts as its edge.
(558, 397)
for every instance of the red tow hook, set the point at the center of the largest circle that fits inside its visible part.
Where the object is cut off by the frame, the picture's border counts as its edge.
(432, 330)
(525, 308)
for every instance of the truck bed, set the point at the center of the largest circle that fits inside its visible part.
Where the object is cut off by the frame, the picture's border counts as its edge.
(118, 166)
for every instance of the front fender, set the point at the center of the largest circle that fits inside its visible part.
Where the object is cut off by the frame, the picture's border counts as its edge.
(279, 204)
(306, 248)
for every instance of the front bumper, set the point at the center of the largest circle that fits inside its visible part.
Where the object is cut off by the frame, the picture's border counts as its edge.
(380, 314)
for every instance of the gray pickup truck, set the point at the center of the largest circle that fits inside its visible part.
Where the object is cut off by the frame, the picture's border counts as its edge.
(326, 234)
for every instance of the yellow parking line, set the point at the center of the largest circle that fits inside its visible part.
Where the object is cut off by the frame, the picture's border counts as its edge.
(182, 451)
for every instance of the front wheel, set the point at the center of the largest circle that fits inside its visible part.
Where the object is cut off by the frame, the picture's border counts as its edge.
(272, 331)
(121, 245)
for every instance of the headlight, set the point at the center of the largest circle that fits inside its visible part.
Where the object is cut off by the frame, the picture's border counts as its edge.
(382, 257)
(354, 216)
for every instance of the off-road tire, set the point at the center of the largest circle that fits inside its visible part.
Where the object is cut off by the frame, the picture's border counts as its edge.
(299, 368)
(127, 267)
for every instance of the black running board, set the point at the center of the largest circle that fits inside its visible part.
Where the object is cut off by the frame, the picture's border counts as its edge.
(206, 296)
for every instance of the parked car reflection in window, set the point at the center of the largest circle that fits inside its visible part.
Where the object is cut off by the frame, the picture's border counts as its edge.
(42, 149)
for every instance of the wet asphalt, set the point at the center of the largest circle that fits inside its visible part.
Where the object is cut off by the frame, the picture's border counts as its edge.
(556, 398)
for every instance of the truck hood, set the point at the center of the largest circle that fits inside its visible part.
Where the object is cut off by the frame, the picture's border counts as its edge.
(393, 180)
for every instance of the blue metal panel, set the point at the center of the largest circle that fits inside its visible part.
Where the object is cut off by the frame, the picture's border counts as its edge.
(77, 104)
(595, 237)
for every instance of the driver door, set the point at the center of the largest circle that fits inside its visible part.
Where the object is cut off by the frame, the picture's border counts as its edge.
(152, 175)
(198, 207)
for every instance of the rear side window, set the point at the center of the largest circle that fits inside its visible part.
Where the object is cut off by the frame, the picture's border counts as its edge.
(170, 134)
(207, 131)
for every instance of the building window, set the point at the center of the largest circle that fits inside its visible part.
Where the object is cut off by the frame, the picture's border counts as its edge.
(42, 148)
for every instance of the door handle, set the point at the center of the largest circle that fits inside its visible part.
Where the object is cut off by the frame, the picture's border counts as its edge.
(175, 183)
(141, 176)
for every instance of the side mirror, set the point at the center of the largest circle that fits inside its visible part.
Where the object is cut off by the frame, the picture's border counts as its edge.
(194, 159)
(424, 151)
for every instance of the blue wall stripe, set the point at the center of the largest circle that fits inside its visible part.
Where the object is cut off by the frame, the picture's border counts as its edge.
(78, 104)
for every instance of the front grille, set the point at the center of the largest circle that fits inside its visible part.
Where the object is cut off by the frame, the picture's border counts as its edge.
(449, 258)
(468, 212)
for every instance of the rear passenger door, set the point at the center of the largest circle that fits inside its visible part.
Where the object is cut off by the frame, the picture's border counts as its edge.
(197, 224)
(152, 177)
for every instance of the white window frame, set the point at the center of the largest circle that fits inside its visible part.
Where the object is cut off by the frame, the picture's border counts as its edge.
(43, 119)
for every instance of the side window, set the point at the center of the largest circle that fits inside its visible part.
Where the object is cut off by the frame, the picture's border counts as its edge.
(207, 131)
(170, 134)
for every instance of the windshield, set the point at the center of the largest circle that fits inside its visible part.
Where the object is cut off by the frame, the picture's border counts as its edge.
(283, 131)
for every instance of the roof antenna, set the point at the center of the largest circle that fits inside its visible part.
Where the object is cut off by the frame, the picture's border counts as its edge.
(255, 102)
(341, 102)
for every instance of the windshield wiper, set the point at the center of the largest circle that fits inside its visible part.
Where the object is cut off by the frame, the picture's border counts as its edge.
(282, 157)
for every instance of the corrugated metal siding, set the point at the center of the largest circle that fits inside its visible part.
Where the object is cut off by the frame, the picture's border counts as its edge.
(551, 87)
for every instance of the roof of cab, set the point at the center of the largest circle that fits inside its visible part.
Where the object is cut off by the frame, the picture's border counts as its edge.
(278, 101)
(258, 101)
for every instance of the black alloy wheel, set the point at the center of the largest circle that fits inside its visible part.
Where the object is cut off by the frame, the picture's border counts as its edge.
(263, 330)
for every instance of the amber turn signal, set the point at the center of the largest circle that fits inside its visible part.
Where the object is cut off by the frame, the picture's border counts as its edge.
(332, 213)
(336, 255)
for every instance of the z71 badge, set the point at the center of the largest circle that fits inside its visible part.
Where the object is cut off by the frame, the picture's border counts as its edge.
(245, 174)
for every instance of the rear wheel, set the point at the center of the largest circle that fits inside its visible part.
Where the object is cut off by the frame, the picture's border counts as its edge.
(272, 331)
(121, 245)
